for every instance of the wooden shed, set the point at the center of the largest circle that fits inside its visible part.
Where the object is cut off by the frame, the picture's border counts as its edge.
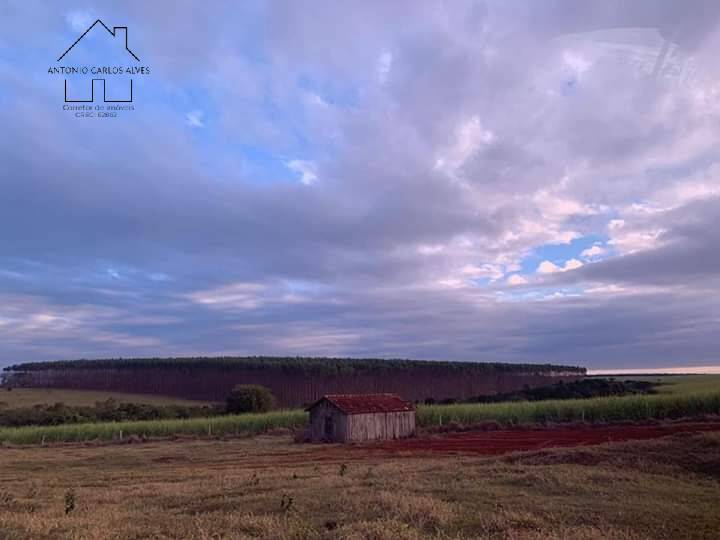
(361, 417)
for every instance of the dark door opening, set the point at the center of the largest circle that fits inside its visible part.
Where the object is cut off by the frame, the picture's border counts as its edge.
(329, 427)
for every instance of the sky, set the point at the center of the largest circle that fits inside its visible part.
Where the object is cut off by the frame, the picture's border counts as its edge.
(497, 180)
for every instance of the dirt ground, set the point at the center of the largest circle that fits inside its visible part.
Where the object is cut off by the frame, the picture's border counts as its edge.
(506, 441)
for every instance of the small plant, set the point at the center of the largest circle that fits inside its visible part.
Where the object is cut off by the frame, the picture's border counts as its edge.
(255, 480)
(286, 502)
(343, 469)
(6, 497)
(69, 501)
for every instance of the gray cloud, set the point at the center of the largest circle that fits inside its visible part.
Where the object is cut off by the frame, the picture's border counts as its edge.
(496, 128)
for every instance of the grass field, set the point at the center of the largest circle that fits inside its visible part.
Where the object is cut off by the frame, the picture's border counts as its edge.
(674, 384)
(683, 384)
(269, 488)
(27, 397)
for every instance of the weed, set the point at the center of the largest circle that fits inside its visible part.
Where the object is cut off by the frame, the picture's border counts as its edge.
(69, 501)
(286, 502)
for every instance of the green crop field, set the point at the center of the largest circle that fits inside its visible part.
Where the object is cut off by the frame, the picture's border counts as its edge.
(678, 396)
(243, 424)
(606, 409)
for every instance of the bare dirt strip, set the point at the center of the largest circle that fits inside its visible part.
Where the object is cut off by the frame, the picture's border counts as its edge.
(506, 441)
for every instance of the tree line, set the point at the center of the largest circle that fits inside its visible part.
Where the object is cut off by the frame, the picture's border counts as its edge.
(294, 381)
(315, 365)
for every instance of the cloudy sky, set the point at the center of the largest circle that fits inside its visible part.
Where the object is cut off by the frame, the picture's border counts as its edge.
(481, 180)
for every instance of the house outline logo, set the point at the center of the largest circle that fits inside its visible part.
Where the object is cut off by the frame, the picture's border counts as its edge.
(111, 32)
(114, 33)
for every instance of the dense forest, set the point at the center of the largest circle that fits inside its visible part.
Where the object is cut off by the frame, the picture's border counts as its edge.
(294, 380)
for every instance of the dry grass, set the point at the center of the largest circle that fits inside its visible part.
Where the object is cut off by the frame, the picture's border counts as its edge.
(269, 488)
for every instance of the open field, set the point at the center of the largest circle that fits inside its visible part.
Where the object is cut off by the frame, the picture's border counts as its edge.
(269, 488)
(27, 397)
(683, 384)
(684, 397)
(673, 384)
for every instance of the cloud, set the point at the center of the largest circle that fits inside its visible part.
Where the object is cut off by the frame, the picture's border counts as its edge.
(195, 119)
(593, 252)
(307, 170)
(516, 279)
(470, 136)
(547, 267)
(441, 160)
(384, 65)
(80, 21)
(430, 250)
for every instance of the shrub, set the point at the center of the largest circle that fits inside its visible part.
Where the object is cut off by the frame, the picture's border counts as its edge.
(250, 398)
(103, 411)
(69, 501)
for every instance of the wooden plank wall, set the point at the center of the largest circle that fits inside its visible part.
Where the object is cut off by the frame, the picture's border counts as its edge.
(360, 427)
(380, 426)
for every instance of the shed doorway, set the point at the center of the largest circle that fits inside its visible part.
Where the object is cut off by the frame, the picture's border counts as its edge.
(329, 427)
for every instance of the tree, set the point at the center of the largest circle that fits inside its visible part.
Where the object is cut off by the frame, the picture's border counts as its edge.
(246, 398)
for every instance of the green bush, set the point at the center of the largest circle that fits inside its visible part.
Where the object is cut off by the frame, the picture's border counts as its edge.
(250, 398)
(103, 411)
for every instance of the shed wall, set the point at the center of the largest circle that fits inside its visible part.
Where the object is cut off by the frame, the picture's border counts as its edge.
(320, 415)
(380, 426)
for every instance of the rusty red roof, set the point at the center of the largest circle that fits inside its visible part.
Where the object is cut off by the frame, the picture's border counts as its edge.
(366, 403)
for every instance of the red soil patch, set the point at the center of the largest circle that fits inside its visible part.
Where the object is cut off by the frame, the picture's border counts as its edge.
(502, 442)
